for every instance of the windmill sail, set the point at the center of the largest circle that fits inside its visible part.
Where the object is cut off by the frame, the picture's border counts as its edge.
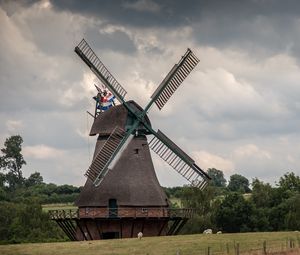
(174, 78)
(108, 155)
(179, 160)
(85, 52)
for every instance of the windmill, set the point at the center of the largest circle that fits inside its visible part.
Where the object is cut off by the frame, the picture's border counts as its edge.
(122, 195)
(160, 144)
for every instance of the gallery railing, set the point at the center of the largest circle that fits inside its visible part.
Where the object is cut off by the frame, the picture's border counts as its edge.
(97, 212)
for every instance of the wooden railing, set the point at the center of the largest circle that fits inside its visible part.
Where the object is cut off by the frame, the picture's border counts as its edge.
(64, 214)
(127, 212)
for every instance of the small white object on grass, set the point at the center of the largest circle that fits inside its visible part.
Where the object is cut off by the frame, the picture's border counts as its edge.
(207, 231)
(140, 235)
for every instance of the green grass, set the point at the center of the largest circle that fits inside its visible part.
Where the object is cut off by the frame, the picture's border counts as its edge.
(66, 206)
(176, 200)
(169, 245)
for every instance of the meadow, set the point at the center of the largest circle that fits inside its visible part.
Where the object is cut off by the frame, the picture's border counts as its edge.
(200, 244)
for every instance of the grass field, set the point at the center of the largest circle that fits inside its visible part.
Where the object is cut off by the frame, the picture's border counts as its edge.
(176, 200)
(169, 245)
(66, 206)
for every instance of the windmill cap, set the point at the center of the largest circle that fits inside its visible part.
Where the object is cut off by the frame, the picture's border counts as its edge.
(118, 115)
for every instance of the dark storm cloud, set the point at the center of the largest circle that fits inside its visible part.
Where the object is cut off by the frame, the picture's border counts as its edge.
(118, 41)
(173, 13)
(241, 24)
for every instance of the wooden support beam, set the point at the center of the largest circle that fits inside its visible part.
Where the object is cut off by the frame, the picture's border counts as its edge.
(121, 228)
(174, 226)
(182, 223)
(143, 225)
(65, 223)
(87, 230)
(82, 232)
(132, 228)
(162, 227)
(72, 228)
(98, 228)
(62, 226)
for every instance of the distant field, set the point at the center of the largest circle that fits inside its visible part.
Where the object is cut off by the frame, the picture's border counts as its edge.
(170, 245)
(66, 206)
(176, 200)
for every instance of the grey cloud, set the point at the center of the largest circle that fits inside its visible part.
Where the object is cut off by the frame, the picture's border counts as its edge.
(238, 24)
(214, 111)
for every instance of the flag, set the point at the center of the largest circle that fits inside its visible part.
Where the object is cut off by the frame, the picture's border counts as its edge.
(106, 101)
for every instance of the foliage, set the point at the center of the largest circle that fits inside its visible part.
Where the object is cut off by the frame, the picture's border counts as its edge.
(238, 183)
(21, 217)
(26, 222)
(12, 161)
(266, 209)
(234, 214)
(34, 179)
(261, 193)
(173, 191)
(290, 182)
(217, 177)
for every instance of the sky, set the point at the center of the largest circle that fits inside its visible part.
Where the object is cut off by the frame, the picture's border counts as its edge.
(238, 111)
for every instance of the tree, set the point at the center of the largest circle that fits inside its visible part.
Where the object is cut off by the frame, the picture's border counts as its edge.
(290, 181)
(234, 214)
(34, 179)
(292, 217)
(26, 222)
(12, 161)
(203, 203)
(192, 197)
(261, 193)
(217, 177)
(238, 183)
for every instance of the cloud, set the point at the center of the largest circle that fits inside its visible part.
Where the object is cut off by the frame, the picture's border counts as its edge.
(42, 151)
(143, 6)
(252, 151)
(207, 160)
(239, 109)
(14, 125)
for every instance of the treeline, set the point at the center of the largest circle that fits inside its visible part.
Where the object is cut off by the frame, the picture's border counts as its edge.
(21, 216)
(237, 208)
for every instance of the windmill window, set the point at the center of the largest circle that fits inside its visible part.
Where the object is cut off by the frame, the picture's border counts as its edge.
(113, 208)
(136, 151)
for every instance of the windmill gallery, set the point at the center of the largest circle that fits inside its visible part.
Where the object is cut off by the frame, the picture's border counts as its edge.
(113, 207)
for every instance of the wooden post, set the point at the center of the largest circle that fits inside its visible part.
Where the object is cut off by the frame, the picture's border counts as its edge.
(264, 247)
(237, 249)
(208, 250)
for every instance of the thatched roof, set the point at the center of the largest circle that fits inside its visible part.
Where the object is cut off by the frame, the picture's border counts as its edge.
(132, 182)
(115, 116)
